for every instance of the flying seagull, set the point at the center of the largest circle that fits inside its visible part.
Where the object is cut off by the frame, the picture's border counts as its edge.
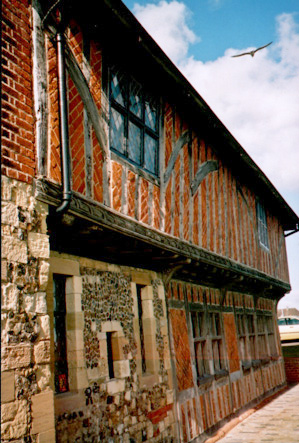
(253, 51)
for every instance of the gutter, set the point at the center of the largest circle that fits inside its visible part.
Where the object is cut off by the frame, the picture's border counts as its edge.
(292, 232)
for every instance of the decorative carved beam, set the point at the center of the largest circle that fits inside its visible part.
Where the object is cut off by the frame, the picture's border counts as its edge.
(203, 171)
(183, 139)
(85, 94)
(106, 218)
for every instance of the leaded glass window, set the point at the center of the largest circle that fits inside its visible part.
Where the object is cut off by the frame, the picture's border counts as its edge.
(133, 122)
(262, 225)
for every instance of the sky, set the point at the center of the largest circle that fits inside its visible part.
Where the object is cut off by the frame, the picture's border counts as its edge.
(256, 98)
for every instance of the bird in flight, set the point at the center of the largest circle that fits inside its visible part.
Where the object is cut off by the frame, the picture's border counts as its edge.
(253, 51)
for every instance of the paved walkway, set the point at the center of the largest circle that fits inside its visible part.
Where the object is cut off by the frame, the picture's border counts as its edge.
(277, 421)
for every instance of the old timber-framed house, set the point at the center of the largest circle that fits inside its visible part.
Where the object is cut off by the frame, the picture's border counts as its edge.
(143, 251)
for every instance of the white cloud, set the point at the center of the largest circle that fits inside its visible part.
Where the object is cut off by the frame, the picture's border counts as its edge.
(256, 98)
(167, 24)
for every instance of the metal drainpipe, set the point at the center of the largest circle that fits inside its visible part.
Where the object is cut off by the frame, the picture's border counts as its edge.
(65, 156)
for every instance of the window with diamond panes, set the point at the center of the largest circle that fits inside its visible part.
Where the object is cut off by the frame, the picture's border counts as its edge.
(133, 122)
(262, 225)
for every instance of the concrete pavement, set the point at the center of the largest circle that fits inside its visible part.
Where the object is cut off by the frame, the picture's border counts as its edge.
(277, 421)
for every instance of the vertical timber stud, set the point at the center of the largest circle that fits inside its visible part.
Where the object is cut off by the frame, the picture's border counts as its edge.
(162, 166)
(87, 123)
(40, 88)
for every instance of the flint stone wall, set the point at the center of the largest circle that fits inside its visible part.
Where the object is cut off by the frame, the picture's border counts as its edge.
(25, 340)
(130, 407)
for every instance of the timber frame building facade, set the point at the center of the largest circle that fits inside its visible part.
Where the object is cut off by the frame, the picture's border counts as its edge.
(143, 251)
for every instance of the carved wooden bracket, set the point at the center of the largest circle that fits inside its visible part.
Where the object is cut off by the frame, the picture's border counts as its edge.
(170, 271)
(183, 139)
(203, 171)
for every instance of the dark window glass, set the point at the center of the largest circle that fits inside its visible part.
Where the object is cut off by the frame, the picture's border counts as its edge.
(110, 355)
(136, 99)
(150, 114)
(262, 224)
(134, 152)
(60, 348)
(133, 122)
(117, 126)
(118, 92)
(141, 334)
(150, 153)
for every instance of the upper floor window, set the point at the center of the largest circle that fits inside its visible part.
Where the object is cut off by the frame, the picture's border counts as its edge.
(262, 225)
(133, 122)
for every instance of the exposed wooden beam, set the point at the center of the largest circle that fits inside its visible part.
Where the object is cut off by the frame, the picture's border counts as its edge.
(183, 139)
(203, 170)
(87, 98)
(40, 89)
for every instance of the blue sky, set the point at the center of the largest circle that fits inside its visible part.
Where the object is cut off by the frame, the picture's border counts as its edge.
(256, 98)
(230, 23)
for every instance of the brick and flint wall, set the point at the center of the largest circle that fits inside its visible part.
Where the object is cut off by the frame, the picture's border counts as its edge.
(219, 215)
(27, 402)
(135, 402)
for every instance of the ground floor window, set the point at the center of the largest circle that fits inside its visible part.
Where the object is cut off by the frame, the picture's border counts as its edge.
(256, 337)
(208, 343)
(199, 329)
(60, 345)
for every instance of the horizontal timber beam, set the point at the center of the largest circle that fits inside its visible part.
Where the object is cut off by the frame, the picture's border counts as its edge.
(113, 221)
